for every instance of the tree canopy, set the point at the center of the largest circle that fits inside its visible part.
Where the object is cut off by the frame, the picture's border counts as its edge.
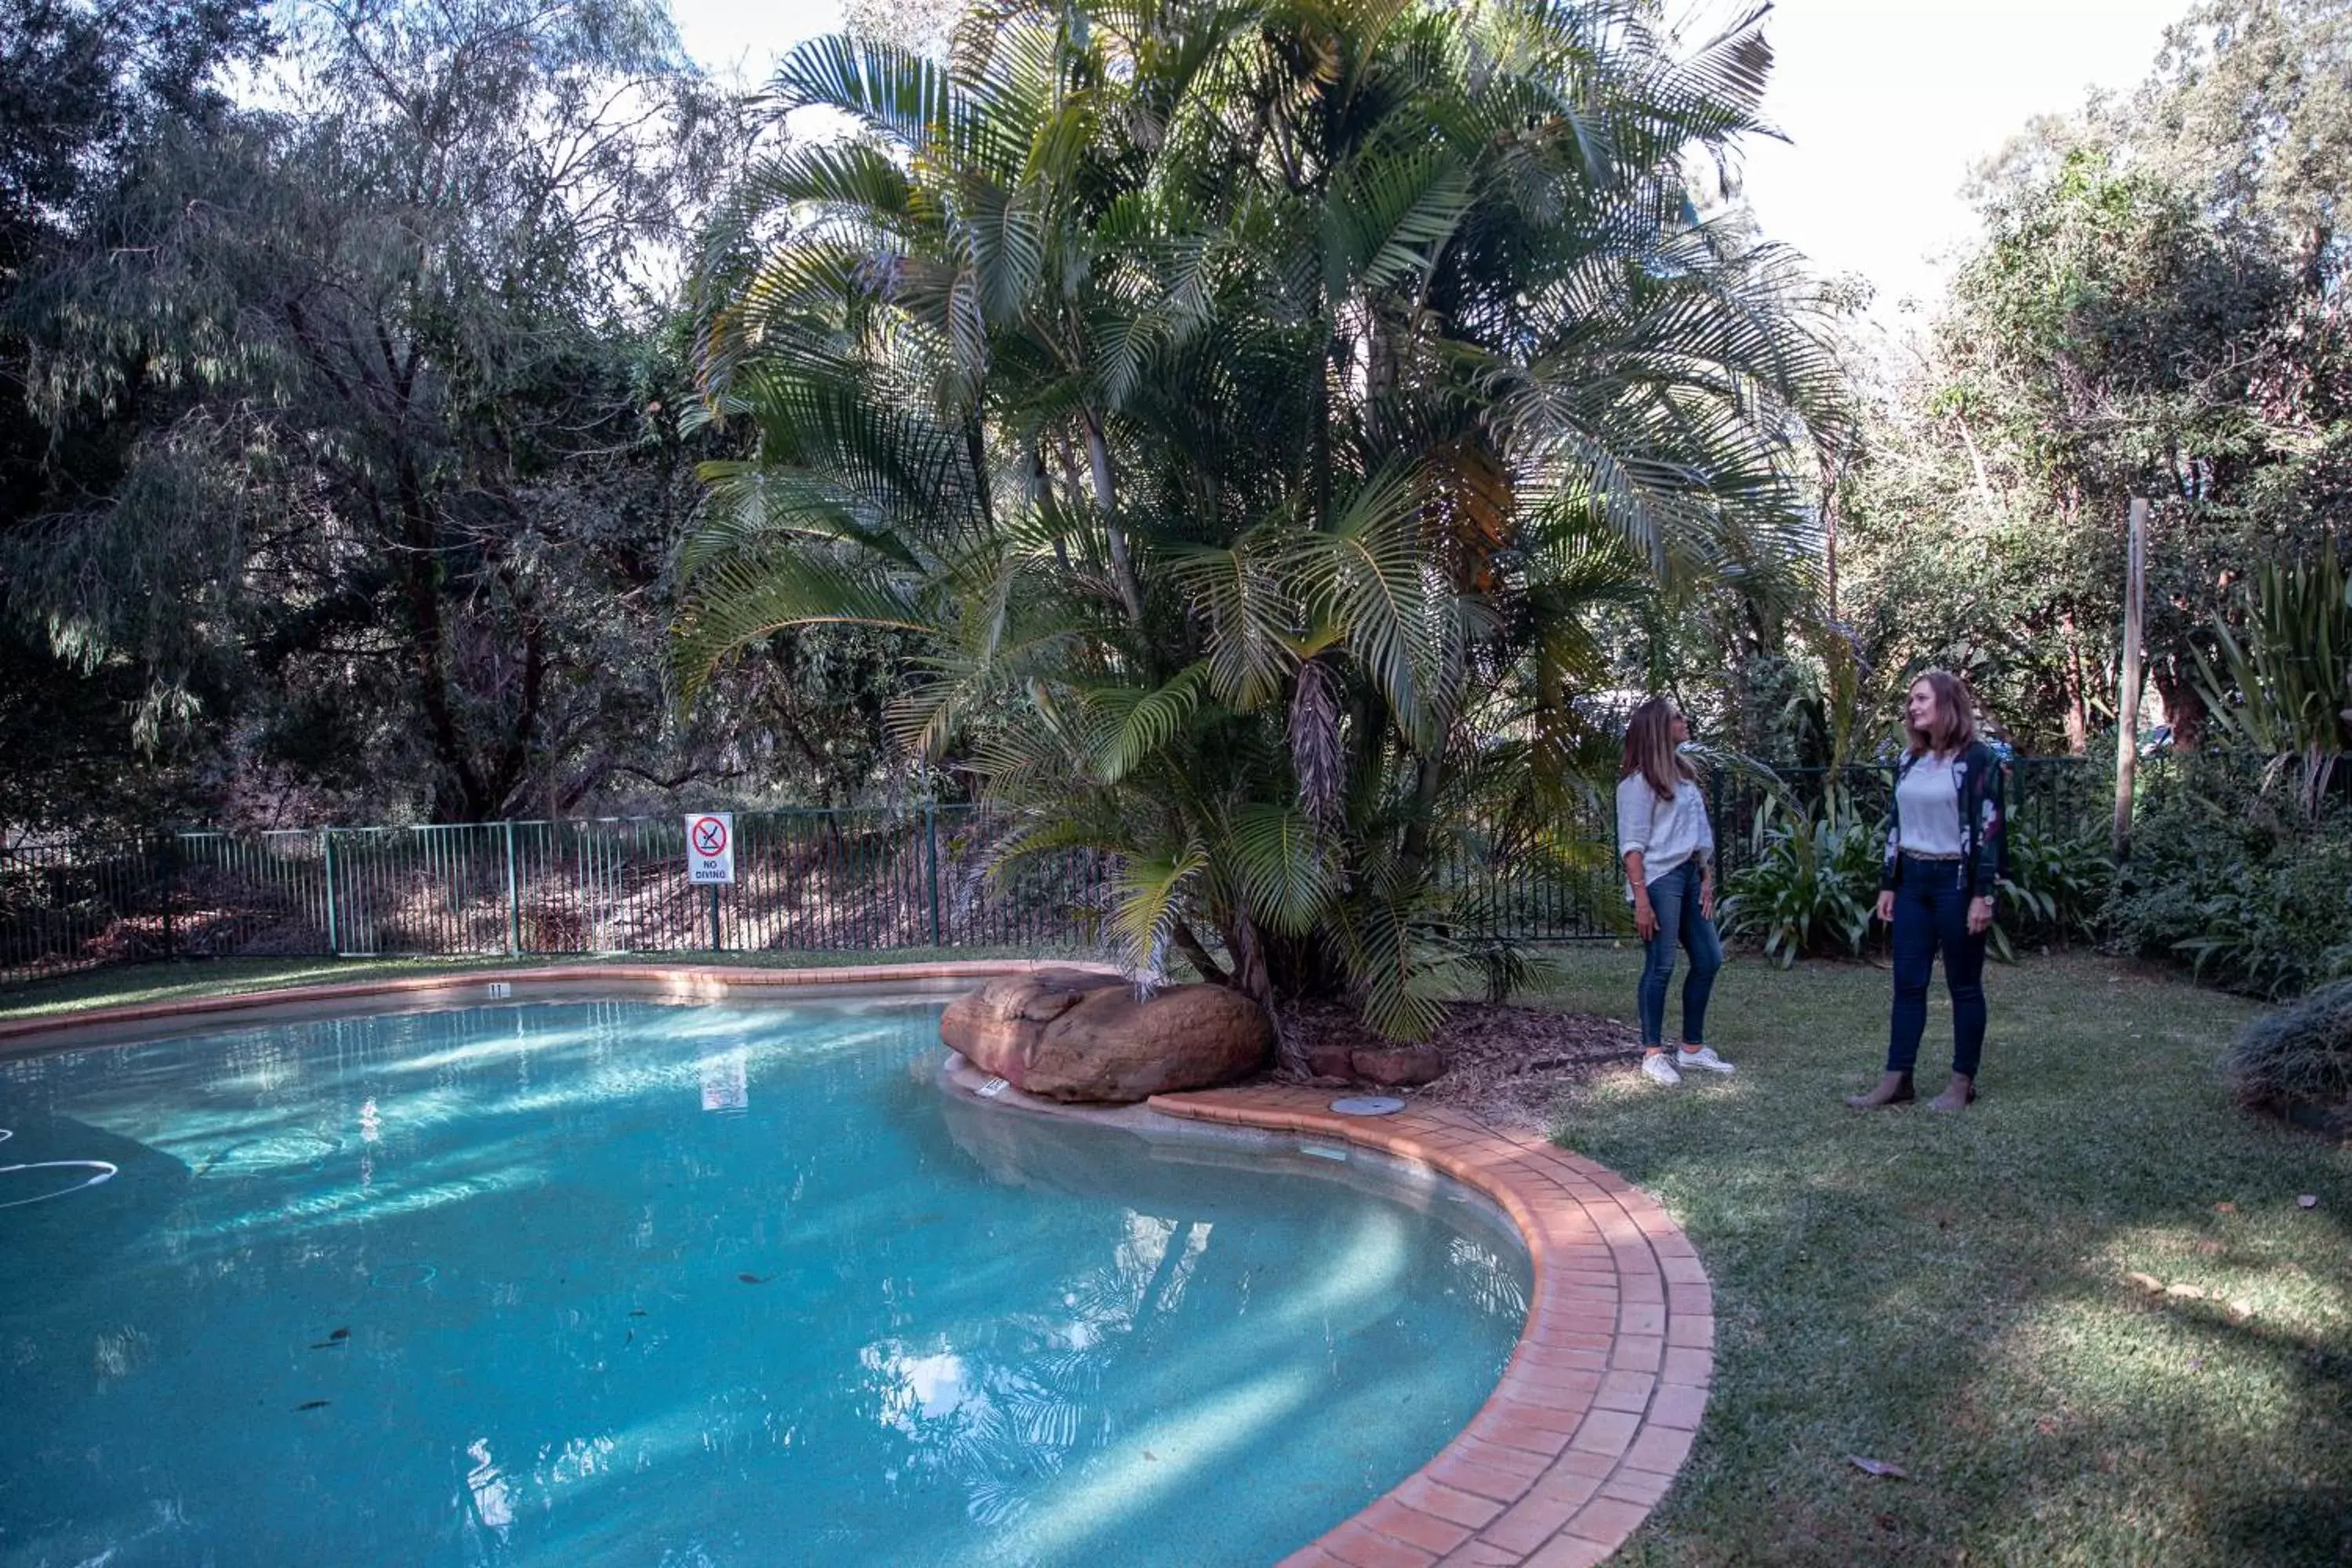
(1241, 407)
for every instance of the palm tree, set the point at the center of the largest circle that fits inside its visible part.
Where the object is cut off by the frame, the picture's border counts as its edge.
(1244, 405)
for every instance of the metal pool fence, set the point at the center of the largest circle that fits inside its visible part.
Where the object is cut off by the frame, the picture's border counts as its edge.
(854, 880)
(805, 880)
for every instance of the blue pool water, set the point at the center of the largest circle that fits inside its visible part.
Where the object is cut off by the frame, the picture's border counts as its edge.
(633, 1283)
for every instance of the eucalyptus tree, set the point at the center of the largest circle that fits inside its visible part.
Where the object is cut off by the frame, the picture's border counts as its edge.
(1241, 405)
(86, 92)
(406, 478)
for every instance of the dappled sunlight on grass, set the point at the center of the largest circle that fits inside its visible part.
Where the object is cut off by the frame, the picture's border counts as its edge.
(1953, 1293)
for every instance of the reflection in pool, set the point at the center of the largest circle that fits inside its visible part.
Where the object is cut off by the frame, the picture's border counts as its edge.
(736, 1284)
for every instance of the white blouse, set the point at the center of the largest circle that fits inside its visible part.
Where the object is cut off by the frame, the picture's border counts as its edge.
(1666, 832)
(1927, 801)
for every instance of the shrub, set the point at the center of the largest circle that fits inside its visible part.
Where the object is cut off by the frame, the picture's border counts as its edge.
(2236, 881)
(2300, 1054)
(1811, 883)
(2056, 891)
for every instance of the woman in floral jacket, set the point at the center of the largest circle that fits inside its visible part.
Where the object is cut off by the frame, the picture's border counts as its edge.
(1946, 854)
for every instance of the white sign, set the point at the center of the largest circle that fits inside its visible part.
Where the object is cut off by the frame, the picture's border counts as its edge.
(710, 846)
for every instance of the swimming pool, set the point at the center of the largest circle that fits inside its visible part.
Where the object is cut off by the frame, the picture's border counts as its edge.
(729, 1283)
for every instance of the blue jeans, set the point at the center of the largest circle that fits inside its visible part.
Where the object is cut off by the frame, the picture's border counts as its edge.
(1931, 913)
(1673, 899)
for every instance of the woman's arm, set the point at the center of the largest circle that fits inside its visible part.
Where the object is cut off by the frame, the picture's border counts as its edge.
(1992, 827)
(1645, 919)
(1637, 811)
(1706, 859)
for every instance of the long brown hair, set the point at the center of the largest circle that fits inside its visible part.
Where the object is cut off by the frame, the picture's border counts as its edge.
(1955, 704)
(1649, 748)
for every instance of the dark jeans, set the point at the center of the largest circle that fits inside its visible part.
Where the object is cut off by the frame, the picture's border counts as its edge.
(1931, 913)
(1674, 897)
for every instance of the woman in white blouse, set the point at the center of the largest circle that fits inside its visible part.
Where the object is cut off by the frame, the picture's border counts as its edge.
(1668, 849)
(1946, 853)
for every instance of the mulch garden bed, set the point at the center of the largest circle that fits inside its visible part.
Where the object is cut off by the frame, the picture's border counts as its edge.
(1505, 1064)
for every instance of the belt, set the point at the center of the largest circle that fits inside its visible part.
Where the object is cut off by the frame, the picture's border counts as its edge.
(1945, 860)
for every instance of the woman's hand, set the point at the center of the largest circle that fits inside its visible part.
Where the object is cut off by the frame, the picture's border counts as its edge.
(1645, 919)
(1707, 894)
(1886, 905)
(1980, 916)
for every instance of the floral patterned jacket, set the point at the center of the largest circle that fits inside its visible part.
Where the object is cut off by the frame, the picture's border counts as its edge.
(1984, 837)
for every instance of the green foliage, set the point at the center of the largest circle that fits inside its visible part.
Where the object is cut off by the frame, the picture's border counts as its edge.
(2299, 1055)
(1812, 882)
(2153, 311)
(394, 463)
(2237, 881)
(2285, 690)
(2056, 889)
(1243, 421)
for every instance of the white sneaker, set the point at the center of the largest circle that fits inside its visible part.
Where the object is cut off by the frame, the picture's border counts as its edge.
(1704, 1057)
(1658, 1070)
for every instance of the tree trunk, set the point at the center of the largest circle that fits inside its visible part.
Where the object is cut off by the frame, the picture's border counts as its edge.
(1254, 980)
(2078, 706)
(1122, 566)
(2184, 704)
(1189, 945)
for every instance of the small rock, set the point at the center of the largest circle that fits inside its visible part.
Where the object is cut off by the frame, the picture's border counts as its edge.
(1398, 1065)
(2148, 1283)
(2225, 1208)
(2309, 1201)
(1329, 1060)
(2186, 1292)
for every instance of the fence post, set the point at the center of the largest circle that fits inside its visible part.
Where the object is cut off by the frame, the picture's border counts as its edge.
(931, 864)
(2128, 691)
(171, 887)
(327, 860)
(514, 897)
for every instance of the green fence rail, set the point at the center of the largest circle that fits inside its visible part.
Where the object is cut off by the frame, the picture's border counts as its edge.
(806, 881)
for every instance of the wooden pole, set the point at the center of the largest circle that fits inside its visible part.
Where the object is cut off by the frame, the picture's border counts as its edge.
(2127, 696)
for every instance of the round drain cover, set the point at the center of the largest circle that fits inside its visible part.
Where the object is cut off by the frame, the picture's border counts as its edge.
(1368, 1105)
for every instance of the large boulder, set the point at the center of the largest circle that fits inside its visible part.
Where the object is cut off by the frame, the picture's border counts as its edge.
(1069, 1035)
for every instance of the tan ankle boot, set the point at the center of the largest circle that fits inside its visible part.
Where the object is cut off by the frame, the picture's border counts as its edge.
(1957, 1094)
(1893, 1089)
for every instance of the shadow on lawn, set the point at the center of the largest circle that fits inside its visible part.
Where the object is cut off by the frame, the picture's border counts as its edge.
(1945, 1293)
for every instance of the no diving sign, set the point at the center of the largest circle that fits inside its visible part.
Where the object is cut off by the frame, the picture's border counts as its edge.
(710, 846)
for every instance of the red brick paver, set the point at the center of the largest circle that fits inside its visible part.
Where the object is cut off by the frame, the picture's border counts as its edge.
(1600, 1402)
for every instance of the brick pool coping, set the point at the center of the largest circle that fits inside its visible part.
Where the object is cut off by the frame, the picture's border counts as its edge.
(1596, 1409)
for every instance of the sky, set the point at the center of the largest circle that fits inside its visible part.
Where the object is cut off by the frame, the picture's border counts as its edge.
(1888, 105)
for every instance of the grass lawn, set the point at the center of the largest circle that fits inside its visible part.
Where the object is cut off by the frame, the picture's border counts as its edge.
(1949, 1294)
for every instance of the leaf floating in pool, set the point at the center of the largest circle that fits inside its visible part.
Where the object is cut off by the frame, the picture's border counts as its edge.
(755, 1278)
(639, 1313)
(341, 1335)
(632, 1338)
(315, 1404)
